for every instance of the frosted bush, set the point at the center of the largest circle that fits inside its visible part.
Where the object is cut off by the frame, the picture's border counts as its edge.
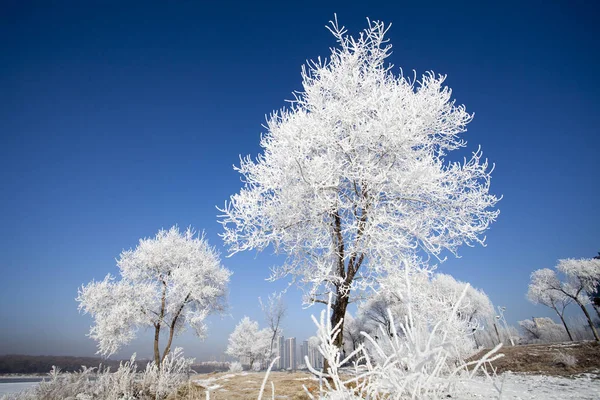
(256, 366)
(102, 384)
(419, 360)
(236, 366)
(568, 360)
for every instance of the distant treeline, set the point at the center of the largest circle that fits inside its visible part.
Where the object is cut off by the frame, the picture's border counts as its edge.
(21, 364)
(206, 367)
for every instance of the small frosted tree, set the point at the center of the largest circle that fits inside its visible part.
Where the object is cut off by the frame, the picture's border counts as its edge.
(353, 176)
(167, 283)
(248, 343)
(476, 307)
(539, 292)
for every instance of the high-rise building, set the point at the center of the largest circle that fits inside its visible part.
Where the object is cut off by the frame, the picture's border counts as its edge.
(290, 351)
(281, 352)
(314, 356)
(303, 352)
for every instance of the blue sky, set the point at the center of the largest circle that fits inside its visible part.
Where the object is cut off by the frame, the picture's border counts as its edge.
(117, 120)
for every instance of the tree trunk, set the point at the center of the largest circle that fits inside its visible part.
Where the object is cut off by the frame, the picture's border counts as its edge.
(156, 350)
(172, 328)
(596, 306)
(587, 315)
(497, 333)
(337, 315)
(566, 327)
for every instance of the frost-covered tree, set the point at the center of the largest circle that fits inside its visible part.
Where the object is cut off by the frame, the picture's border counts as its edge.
(595, 296)
(353, 176)
(248, 343)
(476, 307)
(376, 312)
(274, 310)
(167, 283)
(539, 293)
(581, 275)
(583, 272)
(352, 332)
(541, 329)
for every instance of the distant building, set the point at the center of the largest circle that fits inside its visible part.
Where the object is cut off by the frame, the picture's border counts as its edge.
(281, 352)
(315, 358)
(290, 352)
(303, 352)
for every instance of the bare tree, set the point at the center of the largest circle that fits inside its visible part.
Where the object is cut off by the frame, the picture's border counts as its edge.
(274, 311)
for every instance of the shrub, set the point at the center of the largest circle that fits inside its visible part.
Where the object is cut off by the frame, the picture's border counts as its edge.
(236, 366)
(124, 384)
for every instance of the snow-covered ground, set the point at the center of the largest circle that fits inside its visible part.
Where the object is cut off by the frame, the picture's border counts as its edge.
(514, 387)
(534, 387)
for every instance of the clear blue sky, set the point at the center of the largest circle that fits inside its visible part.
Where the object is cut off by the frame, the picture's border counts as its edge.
(119, 120)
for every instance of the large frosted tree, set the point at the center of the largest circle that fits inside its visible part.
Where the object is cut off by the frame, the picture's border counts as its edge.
(353, 175)
(168, 282)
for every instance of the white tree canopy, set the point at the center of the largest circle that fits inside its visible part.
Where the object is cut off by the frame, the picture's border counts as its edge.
(354, 172)
(582, 277)
(170, 281)
(582, 273)
(540, 290)
(248, 343)
(476, 306)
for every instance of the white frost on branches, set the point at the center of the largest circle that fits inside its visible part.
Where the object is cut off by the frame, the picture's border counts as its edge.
(583, 274)
(354, 172)
(416, 360)
(540, 292)
(248, 343)
(169, 281)
(582, 279)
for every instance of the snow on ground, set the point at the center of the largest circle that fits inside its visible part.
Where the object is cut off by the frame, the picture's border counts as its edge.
(534, 387)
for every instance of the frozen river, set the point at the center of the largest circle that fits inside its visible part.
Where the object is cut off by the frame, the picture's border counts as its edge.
(14, 385)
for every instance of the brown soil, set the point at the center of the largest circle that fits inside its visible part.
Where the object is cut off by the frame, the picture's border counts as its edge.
(549, 359)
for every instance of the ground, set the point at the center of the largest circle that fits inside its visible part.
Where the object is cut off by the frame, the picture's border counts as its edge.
(558, 371)
(553, 359)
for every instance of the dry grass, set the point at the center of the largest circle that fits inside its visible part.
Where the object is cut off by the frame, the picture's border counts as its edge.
(549, 359)
(246, 386)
